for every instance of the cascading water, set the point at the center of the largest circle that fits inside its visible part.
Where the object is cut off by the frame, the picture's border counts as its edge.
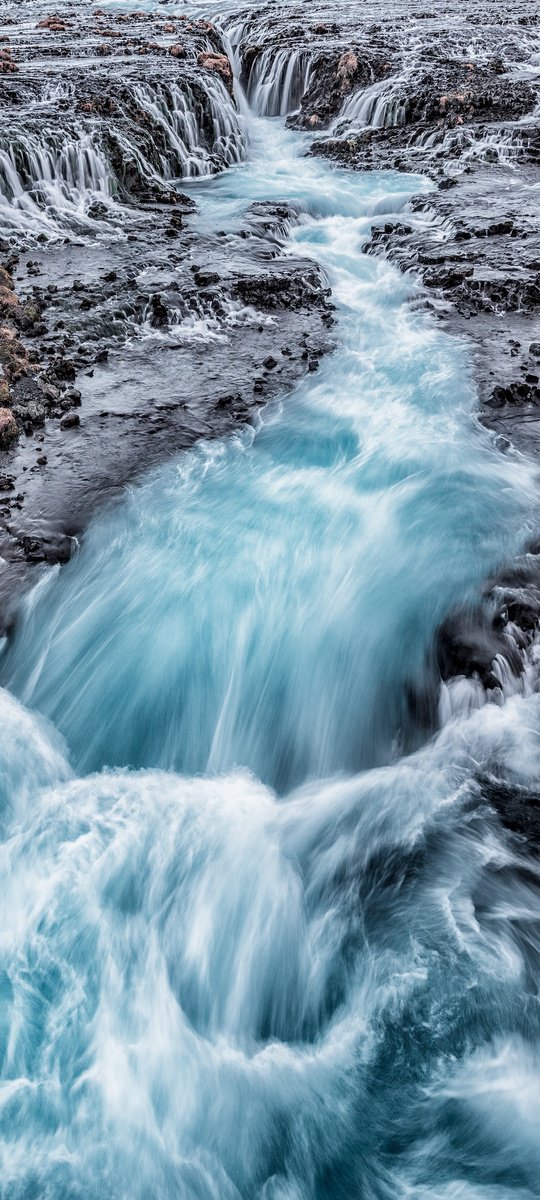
(277, 81)
(51, 177)
(180, 116)
(44, 178)
(324, 984)
(378, 106)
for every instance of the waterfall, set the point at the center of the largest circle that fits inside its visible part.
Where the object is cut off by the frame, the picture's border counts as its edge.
(202, 134)
(378, 106)
(47, 175)
(50, 176)
(277, 80)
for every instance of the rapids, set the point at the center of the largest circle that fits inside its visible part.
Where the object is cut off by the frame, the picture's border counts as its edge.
(258, 941)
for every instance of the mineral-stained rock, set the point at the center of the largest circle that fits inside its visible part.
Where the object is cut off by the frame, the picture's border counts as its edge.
(55, 24)
(13, 356)
(8, 428)
(346, 69)
(219, 63)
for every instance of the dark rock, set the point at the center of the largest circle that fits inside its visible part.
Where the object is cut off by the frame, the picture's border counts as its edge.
(70, 421)
(205, 278)
(159, 316)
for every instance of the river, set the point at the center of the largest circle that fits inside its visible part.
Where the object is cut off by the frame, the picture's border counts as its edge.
(261, 938)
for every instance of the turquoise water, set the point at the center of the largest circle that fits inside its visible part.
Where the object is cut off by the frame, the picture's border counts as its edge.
(265, 601)
(249, 949)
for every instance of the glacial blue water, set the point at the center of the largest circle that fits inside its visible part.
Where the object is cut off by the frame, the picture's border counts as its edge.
(249, 949)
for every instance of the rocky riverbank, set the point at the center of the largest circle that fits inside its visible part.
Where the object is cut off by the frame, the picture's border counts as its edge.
(127, 333)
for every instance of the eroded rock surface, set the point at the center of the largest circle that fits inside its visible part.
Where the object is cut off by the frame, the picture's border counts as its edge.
(126, 332)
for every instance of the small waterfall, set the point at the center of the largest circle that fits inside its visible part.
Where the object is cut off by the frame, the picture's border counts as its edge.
(462, 144)
(51, 173)
(199, 318)
(463, 695)
(200, 134)
(277, 82)
(50, 177)
(375, 107)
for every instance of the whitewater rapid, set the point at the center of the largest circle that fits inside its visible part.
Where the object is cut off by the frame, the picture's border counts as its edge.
(249, 947)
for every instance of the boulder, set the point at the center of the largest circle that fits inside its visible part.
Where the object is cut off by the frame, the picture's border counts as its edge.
(8, 428)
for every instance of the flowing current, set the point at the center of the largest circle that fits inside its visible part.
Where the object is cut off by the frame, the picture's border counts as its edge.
(253, 946)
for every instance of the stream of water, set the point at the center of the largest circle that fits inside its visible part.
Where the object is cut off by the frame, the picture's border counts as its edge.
(249, 947)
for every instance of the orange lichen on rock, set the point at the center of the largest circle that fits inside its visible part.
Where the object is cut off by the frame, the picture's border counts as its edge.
(216, 62)
(13, 356)
(55, 24)
(346, 69)
(9, 431)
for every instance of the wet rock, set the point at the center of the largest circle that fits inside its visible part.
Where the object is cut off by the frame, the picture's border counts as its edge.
(71, 398)
(447, 278)
(517, 807)
(33, 413)
(206, 278)
(51, 392)
(63, 369)
(9, 430)
(159, 316)
(70, 421)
